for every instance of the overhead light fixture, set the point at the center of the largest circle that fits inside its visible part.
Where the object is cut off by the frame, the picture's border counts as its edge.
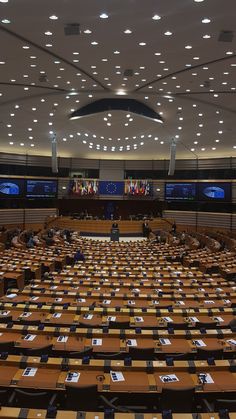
(53, 17)
(156, 17)
(104, 16)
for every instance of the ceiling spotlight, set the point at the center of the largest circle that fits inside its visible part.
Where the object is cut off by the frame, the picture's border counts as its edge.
(3, 1)
(156, 17)
(53, 17)
(121, 92)
(206, 20)
(168, 33)
(104, 16)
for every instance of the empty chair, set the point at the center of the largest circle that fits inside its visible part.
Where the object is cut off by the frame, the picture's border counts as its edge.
(29, 322)
(178, 400)
(7, 347)
(4, 396)
(44, 350)
(141, 353)
(32, 399)
(209, 325)
(179, 356)
(109, 355)
(178, 326)
(227, 404)
(119, 325)
(206, 353)
(5, 319)
(81, 398)
(81, 354)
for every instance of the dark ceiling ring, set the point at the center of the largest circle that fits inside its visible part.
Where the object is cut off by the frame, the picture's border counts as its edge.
(117, 104)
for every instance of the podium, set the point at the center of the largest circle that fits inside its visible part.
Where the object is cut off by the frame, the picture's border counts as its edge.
(115, 234)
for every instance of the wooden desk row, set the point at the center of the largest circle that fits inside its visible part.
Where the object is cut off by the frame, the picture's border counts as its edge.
(17, 413)
(98, 342)
(89, 327)
(151, 377)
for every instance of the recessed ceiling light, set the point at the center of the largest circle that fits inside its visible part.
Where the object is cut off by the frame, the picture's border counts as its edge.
(104, 16)
(142, 44)
(116, 52)
(229, 53)
(3, 1)
(5, 21)
(87, 31)
(168, 33)
(156, 17)
(206, 36)
(22, 144)
(53, 17)
(188, 46)
(94, 43)
(25, 47)
(206, 20)
(128, 31)
(48, 33)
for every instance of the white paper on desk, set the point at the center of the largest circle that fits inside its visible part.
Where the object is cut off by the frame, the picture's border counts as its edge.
(58, 300)
(117, 376)
(168, 319)
(30, 337)
(131, 303)
(219, 289)
(96, 342)
(29, 372)
(194, 319)
(88, 316)
(1, 273)
(164, 341)
(107, 302)
(136, 290)
(81, 300)
(72, 377)
(180, 303)
(209, 302)
(53, 287)
(5, 313)
(34, 286)
(34, 298)
(11, 295)
(231, 341)
(205, 378)
(227, 301)
(138, 319)
(155, 302)
(131, 342)
(170, 378)
(219, 319)
(62, 339)
(199, 342)
(117, 289)
(27, 314)
(57, 315)
(111, 318)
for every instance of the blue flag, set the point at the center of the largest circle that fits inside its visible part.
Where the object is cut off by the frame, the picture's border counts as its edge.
(111, 188)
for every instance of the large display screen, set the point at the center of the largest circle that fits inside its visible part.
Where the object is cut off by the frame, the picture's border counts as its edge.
(11, 188)
(180, 191)
(41, 188)
(138, 187)
(84, 187)
(214, 191)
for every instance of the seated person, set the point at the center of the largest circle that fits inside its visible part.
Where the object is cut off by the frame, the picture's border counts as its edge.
(114, 225)
(15, 241)
(30, 242)
(79, 256)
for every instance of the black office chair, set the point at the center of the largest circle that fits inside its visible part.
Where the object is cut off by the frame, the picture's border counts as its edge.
(206, 353)
(29, 322)
(5, 394)
(225, 404)
(32, 399)
(80, 354)
(5, 319)
(81, 398)
(203, 325)
(178, 400)
(178, 326)
(179, 356)
(109, 355)
(44, 350)
(7, 347)
(119, 325)
(147, 354)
